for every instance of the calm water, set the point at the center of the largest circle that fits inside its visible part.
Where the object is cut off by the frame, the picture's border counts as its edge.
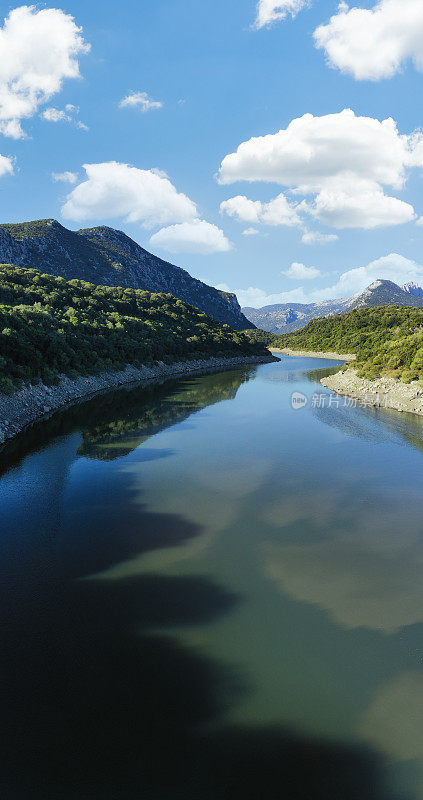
(207, 594)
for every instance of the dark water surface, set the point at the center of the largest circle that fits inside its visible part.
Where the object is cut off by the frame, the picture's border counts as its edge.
(207, 594)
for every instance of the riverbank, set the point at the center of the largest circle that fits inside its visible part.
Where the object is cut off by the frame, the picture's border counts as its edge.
(313, 354)
(383, 392)
(21, 409)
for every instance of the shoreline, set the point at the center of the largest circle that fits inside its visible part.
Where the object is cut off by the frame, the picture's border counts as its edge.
(313, 354)
(24, 408)
(382, 392)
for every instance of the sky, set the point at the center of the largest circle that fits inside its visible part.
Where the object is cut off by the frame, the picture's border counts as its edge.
(274, 149)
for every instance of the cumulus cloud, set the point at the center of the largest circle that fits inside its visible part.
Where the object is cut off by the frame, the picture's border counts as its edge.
(393, 267)
(278, 211)
(345, 161)
(270, 11)
(242, 209)
(113, 189)
(364, 205)
(197, 236)
(64, 177)
(140, 100)
(39, 49)
(300, 272)
(372, 44)
(6, 166)
(250, 232)
(314, 237)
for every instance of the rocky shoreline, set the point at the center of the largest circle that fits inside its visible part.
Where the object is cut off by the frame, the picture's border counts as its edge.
(21, 409)
(382, 393)
(313, 354)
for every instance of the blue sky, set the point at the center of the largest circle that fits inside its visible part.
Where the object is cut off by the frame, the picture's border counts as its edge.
(221, 81)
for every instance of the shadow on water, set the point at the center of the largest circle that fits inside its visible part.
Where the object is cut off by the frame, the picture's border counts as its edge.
(99, 701)
(97, 706)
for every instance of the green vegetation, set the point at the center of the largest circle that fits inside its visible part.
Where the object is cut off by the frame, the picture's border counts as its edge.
(385, 339)
(27, 230)
(263, 337)
(50, 326)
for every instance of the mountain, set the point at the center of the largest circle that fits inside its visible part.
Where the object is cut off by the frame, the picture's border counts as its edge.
(289, 317)
(413, 288)
(105, 256)
(384, 293)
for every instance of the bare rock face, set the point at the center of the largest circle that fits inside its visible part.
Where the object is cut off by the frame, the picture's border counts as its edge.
(413, 288)
(382, 392)
(105, 256)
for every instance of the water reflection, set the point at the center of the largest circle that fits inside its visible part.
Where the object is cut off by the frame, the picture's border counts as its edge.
(114, 424)
(200, 600)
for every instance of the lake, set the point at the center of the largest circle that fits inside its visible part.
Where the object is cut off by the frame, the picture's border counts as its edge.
(211, 591)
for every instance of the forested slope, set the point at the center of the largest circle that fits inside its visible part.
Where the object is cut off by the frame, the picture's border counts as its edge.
(50, 326)
(386, 340)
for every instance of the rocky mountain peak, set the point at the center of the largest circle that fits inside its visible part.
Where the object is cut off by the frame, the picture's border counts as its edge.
(413, 288)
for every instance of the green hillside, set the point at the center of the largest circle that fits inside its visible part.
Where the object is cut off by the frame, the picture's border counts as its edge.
(386, 340)
(50, 326)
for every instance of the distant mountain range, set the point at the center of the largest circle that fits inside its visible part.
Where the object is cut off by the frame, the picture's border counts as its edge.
(105, 256)
(288, 317)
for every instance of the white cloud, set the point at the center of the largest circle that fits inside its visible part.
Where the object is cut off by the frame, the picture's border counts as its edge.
(314, 150)
(67, 114)
(6, 166)
(372, 44)
(56, 115)
(342, 159)
(64, 177)
(114, 190)
(300, 272)
(270, 11)
(140, 99)
(278, 211)
(242, 209)
(393, 267)
(364, 205)
(39, 49)
(314, 237)
(250, 232)
(197, 236)
(419, 222)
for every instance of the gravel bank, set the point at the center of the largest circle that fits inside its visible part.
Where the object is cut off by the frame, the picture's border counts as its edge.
(314, 354)
(382, 392)
(23, 408)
